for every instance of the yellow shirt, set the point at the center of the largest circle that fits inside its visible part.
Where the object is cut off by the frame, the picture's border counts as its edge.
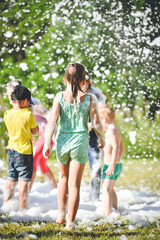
(19, 124)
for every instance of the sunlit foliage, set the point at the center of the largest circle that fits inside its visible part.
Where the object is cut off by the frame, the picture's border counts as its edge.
(117, 41)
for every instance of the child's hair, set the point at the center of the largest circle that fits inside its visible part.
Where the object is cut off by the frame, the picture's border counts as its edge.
(87, 77)
(107, 111)
(21, 93)
(14, 83)
(75, 73)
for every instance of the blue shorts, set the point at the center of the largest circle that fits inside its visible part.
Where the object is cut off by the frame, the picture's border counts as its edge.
(20, 166)
(117, 171)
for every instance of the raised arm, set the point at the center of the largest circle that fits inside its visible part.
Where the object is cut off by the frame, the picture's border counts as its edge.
(51, 126)
(96, 121)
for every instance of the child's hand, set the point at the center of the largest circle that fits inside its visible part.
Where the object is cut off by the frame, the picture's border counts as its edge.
(89, 127)
(46, 152)
(101, 145)
(110, 170)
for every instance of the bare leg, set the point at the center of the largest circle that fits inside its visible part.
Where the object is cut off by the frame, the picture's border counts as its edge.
(23, 194)
(33, 178)
(75, 176)
(9, 190)
(51, 178)
(107, 195)
(114, 199)
(62, 192)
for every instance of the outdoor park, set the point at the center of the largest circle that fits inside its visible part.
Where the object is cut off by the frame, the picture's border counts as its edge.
(118, 42)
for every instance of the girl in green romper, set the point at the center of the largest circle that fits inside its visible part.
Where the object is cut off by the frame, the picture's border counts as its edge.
(72, 107)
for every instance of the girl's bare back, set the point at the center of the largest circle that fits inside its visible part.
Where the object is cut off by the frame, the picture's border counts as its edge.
(68, 96)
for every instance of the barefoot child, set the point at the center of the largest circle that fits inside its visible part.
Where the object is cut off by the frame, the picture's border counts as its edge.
(40, 113)
(20, 124)
(73, 107)
(113, 152)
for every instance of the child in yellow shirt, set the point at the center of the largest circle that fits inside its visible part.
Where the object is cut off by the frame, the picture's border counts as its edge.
(20, 124)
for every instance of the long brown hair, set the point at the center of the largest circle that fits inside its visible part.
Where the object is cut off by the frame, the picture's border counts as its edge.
(75, 74)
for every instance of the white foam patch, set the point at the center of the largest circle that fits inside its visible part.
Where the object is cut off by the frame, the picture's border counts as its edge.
(138, 207)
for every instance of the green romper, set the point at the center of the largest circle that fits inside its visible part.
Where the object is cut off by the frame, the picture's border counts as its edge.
(73, 138)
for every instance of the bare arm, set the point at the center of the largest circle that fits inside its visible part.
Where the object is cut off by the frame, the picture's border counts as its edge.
(51, 126)
(89, 127)
(35, 131)
(96, 122)
(122, 148)
(114, 144)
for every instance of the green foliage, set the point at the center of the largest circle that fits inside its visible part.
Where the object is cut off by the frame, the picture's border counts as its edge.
(146, 132)
(3, 131)
(115, 40)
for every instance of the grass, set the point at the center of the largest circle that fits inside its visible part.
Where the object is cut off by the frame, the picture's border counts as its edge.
(139, 174)
(136, 174)
(50, 231)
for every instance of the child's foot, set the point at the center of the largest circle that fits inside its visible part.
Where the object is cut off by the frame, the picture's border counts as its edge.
(70, 225)
(61, 218)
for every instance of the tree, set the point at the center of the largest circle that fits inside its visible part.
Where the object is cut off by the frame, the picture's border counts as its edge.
(117, 41)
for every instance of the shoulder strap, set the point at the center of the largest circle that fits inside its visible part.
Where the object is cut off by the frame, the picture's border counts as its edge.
(59, 96)
(88, 96)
